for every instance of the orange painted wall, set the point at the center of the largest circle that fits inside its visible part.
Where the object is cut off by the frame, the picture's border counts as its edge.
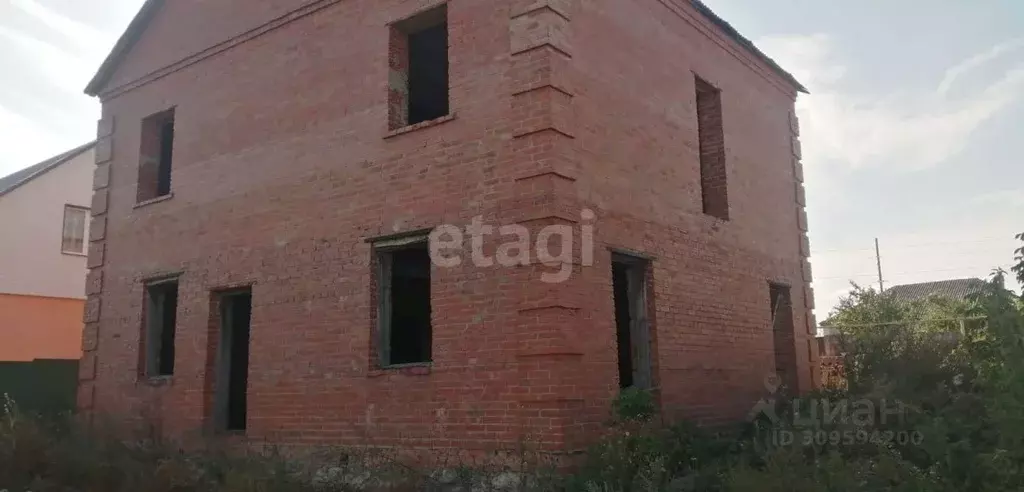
(33, 327)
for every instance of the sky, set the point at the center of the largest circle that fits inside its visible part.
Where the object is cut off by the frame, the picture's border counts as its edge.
(912, 133)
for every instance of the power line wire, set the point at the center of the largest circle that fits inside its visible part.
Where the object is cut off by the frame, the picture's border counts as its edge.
(897, 274)
(920, 245)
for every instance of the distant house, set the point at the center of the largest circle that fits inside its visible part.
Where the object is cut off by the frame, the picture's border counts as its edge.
(44, 212)
(959, 289)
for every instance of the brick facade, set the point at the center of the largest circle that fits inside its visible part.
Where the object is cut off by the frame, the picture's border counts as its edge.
(286, 166)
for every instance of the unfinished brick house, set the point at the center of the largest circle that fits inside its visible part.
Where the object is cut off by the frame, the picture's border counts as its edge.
(268, 173)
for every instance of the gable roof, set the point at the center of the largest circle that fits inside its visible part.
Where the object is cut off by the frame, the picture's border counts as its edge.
(141, 21)
(124, 44)
(955, 289)
(12, 181)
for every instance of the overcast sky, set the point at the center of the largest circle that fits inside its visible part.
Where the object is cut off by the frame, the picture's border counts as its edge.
(913, 131)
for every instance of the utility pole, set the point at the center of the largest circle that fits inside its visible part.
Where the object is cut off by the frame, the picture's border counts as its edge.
(878, 260)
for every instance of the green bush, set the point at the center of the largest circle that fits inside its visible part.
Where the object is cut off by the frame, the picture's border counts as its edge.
(633, 405)
(958, 386)
(790, 470)
(42, 458)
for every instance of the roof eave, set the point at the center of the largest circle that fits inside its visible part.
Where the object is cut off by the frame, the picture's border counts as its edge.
(748, 45)
(122, 47)
(141, 21)
(58, 160)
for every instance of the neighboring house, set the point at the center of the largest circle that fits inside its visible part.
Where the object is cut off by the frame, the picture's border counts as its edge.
(269, 177)
(957, 289)
(44, 211)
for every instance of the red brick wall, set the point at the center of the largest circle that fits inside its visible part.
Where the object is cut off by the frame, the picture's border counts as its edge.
(284, 166)
(638, 137)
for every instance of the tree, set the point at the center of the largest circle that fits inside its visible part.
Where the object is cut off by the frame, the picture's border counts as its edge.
(863, 308)
(1019, 258)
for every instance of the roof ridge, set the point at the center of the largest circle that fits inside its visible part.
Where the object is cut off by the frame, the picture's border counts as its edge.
(950, 280)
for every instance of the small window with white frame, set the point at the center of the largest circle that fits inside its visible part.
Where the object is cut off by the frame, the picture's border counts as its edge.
(74, 239)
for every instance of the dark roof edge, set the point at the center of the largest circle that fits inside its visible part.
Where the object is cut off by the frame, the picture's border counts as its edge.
(746, 43)
(48, 165)
(124, 44)
(141, 21)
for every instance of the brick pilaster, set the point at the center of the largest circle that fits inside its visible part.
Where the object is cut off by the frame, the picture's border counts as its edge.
(94, 280)
(800, 198)
(549, 326)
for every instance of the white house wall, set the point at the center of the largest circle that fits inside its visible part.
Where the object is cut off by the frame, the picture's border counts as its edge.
(31, 229)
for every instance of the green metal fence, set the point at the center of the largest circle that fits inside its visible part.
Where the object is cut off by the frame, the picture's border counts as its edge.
(42, 387)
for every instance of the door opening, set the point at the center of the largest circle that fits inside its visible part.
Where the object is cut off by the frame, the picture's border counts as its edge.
(233, 361)
(783, 333)
(629, 285)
